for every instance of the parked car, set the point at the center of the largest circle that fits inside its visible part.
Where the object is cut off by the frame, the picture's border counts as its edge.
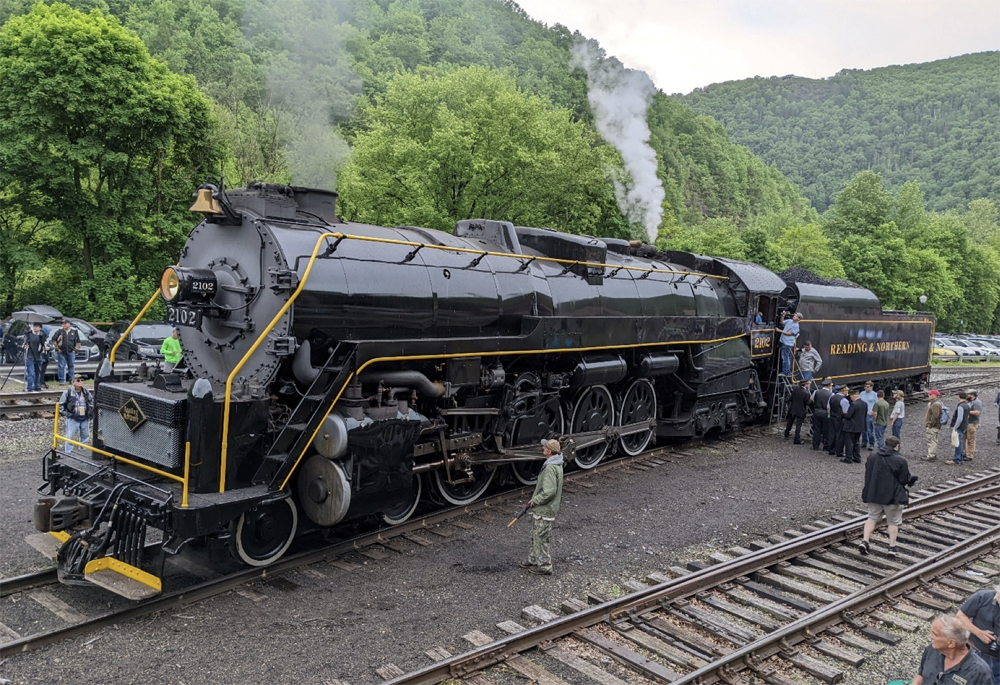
(961, 347)
(142, 343)
(14, 332)
(943, 352)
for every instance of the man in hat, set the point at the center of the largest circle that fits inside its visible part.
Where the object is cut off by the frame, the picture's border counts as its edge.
(35, 348)
(544, 507)
(960, 424)
(797, 404)
(77, 405)
(839, 404)
(932, 423)
(809, 362)
(975, 409)
(789, 332)
(821, 414)
(66, 342)
(854, 426)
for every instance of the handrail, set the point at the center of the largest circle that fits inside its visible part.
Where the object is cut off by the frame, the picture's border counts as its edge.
(112, 455)
(111, 356)
(511, 255)
(253, 348)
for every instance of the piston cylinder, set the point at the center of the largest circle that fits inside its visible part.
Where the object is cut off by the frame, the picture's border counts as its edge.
(598, 370)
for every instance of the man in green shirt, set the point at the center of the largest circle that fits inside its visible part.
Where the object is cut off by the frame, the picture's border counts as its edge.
(881, 413)
(544, 507)
(171, 351)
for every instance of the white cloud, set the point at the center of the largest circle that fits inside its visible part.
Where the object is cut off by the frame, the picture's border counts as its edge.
(685, 45)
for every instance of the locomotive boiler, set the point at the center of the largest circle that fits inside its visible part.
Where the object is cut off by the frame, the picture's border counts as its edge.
(337, 371)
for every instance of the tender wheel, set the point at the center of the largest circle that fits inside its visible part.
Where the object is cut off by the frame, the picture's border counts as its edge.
(638, 405)
(399, 514)
(594, 410)
(265, 532)
(539, 421)
(466, 492)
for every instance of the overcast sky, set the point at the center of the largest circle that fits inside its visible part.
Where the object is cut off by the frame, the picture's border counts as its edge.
(686, 44)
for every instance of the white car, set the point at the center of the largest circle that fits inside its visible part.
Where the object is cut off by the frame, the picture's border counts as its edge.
(961, 350)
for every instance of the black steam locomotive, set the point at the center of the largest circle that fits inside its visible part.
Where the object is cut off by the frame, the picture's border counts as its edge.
(337, 371)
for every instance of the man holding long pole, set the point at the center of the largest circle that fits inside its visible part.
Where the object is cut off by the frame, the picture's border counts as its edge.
(544, 507)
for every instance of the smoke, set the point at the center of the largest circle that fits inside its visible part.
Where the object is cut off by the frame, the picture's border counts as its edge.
(310, 79)
(619, 98)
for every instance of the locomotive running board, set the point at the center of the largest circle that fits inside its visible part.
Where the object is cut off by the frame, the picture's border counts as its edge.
(122, 579)
(47, 544)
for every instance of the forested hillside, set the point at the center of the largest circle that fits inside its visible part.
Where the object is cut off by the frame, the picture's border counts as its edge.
(934, 123)
(425, 112)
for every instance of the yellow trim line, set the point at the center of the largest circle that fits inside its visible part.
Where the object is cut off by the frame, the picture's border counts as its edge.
(60, 535)
(123, 460)
(348, 236)
(127, 570)
(128, 330)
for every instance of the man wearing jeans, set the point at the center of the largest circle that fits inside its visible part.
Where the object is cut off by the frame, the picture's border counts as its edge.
(960, 424)
(870, 398)
(881, 414)
(975, 409)
(77, 405)
(789, 332)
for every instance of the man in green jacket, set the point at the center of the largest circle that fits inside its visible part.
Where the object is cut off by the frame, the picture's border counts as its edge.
(171, 351)
(544, 507)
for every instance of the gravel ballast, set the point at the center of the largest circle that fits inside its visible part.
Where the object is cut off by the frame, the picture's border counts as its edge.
(343, 624)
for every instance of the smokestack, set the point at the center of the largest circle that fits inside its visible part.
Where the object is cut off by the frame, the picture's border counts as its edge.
(620, 98)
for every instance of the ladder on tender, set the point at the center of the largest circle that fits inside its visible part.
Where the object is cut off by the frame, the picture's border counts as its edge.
(782, 394)
(306, 417)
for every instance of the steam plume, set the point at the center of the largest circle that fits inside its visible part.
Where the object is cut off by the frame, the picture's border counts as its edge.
(620, 98)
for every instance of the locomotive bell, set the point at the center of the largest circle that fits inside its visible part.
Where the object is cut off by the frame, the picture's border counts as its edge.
(205, 203)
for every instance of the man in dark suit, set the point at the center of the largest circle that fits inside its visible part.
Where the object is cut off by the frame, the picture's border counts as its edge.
(797, 404)
(854, 426)
(838, 406)
(821, 415)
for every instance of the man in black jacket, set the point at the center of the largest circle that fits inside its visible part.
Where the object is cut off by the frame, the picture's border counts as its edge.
(797, 404)
(887, 475)
(821, 415)
(854, 426)
(66, 342)
(35, 347)
(960, 424)
(838, 406)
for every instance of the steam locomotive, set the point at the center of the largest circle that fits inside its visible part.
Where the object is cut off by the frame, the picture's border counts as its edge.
(338, 371)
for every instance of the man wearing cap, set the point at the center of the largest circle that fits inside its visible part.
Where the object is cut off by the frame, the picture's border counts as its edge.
(975, 409)
(544, 507)
(839, 404)
(809, 362)
(797, 407)
(35, 346)
(789, 333)
(66, 342)
(77, 405)
(932, 424)
(821, 415)
(854, 426)
(171, 351)
(960, 424)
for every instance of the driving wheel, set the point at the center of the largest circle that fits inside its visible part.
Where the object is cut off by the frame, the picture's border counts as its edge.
(265, 532)
(638, 406)
(540, 418)
(594, 410)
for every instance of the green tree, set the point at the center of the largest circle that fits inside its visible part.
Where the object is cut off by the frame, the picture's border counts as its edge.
(877, 260)
(439, 148)
(96, 135)
(861, 207)
(807, 247)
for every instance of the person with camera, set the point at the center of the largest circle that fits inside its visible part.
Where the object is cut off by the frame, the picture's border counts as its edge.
(947, 660)
(887, 475)
(980, 614)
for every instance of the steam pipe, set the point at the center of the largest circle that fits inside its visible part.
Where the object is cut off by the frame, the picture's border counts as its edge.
(411, 379)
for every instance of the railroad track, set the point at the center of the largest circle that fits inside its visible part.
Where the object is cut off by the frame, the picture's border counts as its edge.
(805, 602)
(180, 570)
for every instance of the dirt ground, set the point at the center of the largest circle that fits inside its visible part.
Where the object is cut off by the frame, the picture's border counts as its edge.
(339, 624)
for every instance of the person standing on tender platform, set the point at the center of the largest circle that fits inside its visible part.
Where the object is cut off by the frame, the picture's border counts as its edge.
(809, 362)
(544, 507)
(789, 332)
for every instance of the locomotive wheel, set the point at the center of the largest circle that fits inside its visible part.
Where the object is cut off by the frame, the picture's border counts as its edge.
(594, 410)
(399, 514)
(460, 494)
(265, 532)
(541, 421)
(639, 404)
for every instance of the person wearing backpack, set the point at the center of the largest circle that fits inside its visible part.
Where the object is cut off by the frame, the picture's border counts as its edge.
(959, 425)
(937, 415)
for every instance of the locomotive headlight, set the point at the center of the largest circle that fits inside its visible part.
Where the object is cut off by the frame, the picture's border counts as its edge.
(179, 284)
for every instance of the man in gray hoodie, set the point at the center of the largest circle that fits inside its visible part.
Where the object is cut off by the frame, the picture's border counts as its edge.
(809, 362)
(544, 507)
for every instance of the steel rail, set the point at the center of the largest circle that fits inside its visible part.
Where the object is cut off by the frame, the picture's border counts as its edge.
(495, 652)
(211, 588)
(15, 584)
